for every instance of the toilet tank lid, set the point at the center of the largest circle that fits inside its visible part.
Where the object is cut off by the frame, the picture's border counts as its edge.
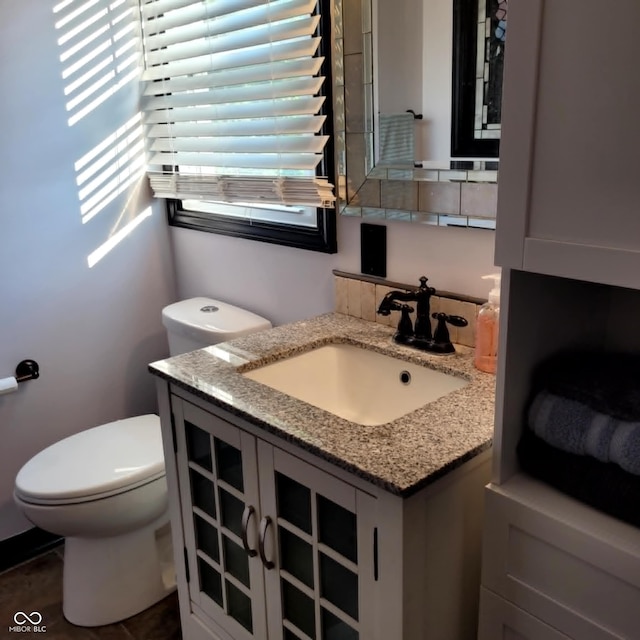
(116, 455)
(211, 321)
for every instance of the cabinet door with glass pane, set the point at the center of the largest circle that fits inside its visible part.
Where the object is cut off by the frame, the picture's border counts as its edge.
(218, 480)
(318, 542)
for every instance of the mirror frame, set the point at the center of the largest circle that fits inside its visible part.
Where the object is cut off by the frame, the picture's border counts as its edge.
(453, 193)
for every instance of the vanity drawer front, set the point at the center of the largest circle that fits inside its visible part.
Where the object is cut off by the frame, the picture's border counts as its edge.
(501, 620)
(543, 560)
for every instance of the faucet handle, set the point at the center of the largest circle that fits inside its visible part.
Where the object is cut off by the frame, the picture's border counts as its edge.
(441, 334)
(405, 332)
(456, 321)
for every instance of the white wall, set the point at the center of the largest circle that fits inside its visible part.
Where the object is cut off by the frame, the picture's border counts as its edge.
(92, 330)
(285, 284)
(414, 65)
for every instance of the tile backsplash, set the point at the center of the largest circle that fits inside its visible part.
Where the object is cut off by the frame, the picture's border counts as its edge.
(360, 296)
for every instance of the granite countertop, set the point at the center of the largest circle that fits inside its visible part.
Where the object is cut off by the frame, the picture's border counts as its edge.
(401, 456)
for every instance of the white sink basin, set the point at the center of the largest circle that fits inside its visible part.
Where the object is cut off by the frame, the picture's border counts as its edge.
(356, 384)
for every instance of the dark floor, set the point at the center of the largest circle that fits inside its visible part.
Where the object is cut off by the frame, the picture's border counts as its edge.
(36, 585)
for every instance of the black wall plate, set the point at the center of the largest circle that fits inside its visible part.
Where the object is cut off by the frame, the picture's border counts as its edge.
(373, 249)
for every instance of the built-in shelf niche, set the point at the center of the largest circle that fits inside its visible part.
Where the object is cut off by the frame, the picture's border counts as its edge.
(540, 315)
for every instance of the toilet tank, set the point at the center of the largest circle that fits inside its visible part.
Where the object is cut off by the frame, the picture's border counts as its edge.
(199, 322)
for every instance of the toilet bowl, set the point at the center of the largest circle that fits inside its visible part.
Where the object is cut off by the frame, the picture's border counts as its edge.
(104, 489)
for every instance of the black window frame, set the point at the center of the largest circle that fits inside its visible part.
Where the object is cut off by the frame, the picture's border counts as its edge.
(322, 237)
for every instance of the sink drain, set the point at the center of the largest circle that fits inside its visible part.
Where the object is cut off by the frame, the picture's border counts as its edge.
(405, 377)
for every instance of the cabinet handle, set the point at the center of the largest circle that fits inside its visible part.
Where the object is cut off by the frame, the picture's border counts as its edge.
(246, 516)
(264, 525)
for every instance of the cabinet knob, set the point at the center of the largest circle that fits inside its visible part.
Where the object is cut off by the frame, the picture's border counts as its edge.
(264, 525)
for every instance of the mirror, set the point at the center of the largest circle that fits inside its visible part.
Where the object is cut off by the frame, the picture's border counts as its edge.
(379, 79)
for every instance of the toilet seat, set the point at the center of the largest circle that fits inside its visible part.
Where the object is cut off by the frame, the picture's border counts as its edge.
(94, 464)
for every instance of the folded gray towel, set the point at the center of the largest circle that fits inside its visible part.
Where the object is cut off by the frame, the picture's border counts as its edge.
(576, 428)
(606, 382)
(625, 446)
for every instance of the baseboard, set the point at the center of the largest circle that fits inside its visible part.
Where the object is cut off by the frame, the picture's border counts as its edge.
(25, 546)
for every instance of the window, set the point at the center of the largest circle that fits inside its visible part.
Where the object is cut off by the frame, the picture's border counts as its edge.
(238, 117)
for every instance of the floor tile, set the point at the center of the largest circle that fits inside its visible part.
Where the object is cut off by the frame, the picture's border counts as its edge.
(32, 586)
(162, 621)
(37, 586)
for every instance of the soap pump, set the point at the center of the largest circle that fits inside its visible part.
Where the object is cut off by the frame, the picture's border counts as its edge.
(487, 329)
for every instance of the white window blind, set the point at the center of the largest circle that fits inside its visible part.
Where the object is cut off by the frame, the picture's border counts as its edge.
(231, 101)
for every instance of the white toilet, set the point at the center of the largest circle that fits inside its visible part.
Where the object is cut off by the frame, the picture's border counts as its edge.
(104, 490)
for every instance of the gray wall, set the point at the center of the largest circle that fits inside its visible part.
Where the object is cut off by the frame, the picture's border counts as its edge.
(92, 330)
(286, 284)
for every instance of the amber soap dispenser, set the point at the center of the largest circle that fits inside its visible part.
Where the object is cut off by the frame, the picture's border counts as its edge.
(487, 324)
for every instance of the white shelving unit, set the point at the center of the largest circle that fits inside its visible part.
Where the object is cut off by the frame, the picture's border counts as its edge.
(568, 241)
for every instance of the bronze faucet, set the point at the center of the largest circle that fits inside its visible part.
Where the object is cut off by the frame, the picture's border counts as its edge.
(420, 336)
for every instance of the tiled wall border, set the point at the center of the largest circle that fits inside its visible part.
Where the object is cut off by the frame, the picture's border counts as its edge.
(359, 296)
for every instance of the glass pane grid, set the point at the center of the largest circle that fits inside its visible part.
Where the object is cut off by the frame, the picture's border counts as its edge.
(229, 464)
(337, 528)
(337, 557)
(239, 606)
(308, 591)
(285, 524)
(237, 584)
(293, 502)
(296, 556)
(307, 614)
(299, 609)
(218, 584)
(229, 489)
(339, 586)
(338, 613)
(203, 494)
(210, 561)
(231, 535)
(199, 448)
(210, 582)
(201, 470)
(205, 516)
(207, 537)
(292, 632)
(231, 509)
(334, 628)
(236, 561)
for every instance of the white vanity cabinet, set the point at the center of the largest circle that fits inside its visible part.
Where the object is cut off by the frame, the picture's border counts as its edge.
(568, 242)
(276, 548)
(280, 544)
(569, 194)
